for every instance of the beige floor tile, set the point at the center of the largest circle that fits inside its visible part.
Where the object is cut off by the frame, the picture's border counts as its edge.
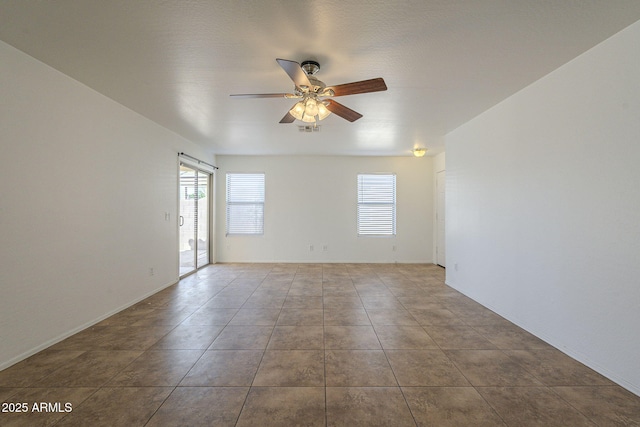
(306, 302)
(7, 392)
(458, 337)
(403, 337)
(408, 291)
(291, 368)
(157, 368)
(450, 407)
(116, 337)
(168, 316)
(485, 368)
(281, 275)
(421, 303)
(118, 406)
(283, 406)
(340, 302)
(189, 337)
(367, 407)
(36, 367)
(306, 291)
(297, 338)
(358, 368)
(88, 339)
(242, 338)
(264, 301)
(224, 368)
(335, 278)
(346, 317)
(226, 302)
(384, 316)
(476, 315)
(435, 316)
(212, 316)
(90, 369)
(207, 407)
(511, 337)
(425, 368)
(272, 290)
(341, 280)
(606, 406)
(351, 338)
(307, 277)
(136, 312)
(555, 368)
(532, 406)
(339, 291)
(381, 302)
(239, 292)
(255, 317)
(300, 317)
(377, 291)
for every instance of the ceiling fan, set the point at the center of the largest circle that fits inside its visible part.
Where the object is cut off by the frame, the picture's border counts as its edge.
(315, 97)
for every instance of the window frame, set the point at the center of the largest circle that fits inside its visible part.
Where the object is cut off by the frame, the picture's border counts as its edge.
(380, 204)
(231, 203)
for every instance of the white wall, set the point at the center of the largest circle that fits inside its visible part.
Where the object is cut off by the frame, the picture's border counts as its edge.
(543, 208)
(85, 185)
(438, 165)
(312, 201)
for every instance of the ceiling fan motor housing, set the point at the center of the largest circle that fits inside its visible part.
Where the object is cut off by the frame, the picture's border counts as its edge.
(310, 67)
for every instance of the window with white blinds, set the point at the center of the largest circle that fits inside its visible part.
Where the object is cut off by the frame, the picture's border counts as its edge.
(376, 204)
(245, 203)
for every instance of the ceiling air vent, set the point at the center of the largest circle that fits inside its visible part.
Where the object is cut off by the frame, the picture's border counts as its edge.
(309, 128)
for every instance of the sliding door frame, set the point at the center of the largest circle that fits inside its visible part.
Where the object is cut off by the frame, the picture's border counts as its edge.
(210, 177)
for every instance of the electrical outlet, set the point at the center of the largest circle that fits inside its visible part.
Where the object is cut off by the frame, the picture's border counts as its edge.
(393, 248)
(310, 248)
(151, 271)
(455, 266)
(325, 248)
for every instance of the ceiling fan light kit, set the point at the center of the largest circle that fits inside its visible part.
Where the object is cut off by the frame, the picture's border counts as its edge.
(311, 108)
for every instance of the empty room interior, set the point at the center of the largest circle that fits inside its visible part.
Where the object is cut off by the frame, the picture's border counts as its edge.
(330, 213)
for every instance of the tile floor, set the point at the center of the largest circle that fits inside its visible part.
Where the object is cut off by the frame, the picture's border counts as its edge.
(299, 344)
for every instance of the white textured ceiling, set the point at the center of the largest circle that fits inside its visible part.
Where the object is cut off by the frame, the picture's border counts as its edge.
(176, 62)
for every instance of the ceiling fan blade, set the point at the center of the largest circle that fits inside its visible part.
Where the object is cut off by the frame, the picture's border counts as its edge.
(288, 118)
(261, 95)
(342, 111)
(364, 86)
(297, 74)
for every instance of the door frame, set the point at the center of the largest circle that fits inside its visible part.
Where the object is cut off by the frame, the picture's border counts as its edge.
(210, 205)
(440, 206)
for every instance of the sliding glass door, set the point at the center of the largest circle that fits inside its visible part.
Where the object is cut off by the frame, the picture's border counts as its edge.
(194, 219)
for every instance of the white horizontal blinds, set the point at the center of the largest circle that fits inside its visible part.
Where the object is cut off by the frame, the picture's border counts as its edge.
(245, 203)
(376, 204)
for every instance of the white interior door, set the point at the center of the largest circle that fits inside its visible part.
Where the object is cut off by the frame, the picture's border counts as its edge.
(440, 209)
